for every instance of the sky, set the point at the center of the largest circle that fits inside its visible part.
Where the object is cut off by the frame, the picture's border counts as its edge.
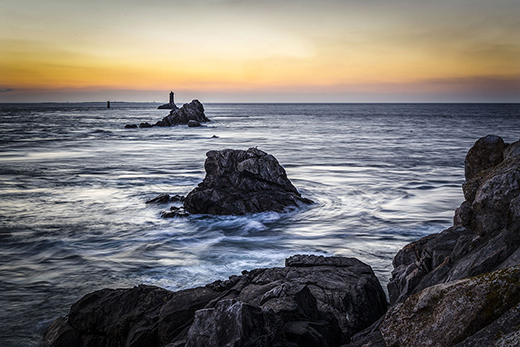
(260, 50)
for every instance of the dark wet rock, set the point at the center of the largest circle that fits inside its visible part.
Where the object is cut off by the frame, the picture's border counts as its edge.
(177, 197)
(192, 111)
(504, 331)
(193, 123)
(239, 182)
(131, 126)
(234, 323)
(159, 199)
(168, 106)
(451, 313)
(370, 337)
(145, 125)
(486, 234)
(214, 137)
(313, 301)
(165, 198)
(340, 295)
(485, 153)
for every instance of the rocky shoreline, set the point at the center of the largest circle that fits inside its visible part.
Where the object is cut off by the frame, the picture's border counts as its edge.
(460, 287)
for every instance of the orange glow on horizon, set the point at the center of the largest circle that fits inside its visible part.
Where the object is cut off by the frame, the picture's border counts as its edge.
(332, 47)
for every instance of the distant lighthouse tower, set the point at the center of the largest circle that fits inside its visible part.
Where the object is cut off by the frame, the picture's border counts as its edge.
(171, 105)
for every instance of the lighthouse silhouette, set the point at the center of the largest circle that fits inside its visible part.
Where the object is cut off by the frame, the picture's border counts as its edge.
(171, 105)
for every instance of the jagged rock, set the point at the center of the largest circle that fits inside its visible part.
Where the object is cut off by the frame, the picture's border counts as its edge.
(140, 316)
(192, 111)
(131, 126)
(159, 199)
(165, 198)
(486, 234)
(341, 294)
(313, 301)
(451, 313)
(239, 182)
(233, 323)
(485, 153)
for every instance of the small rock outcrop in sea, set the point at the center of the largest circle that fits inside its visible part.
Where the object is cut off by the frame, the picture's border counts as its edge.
(312, 301)
(239, 182)
(194, 111)
(165, 198)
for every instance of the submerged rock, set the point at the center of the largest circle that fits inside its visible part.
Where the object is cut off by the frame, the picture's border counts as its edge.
(313, 301)
(239, 182)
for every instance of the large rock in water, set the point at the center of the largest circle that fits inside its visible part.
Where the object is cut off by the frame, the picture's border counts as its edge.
(312, 301)
(486, 235)
(239, 182)
(194, 111)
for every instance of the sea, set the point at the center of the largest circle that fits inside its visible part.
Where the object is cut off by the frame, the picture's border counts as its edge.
(74, 184)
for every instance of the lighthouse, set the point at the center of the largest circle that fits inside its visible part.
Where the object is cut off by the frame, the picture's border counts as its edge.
(171, 105)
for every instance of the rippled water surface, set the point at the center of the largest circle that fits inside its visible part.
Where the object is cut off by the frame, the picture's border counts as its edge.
(73, 186)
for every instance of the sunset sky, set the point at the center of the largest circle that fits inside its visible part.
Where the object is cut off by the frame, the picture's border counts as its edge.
(260, 51)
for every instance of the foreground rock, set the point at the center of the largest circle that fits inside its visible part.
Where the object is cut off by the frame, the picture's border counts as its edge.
(312, 301)
(450, 314)
(239, 182)
(486, 235)
(461, 287)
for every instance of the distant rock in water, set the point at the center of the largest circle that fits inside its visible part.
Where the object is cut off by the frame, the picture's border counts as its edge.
(194, 111)
(191, 114)
(167, 106)
(312, 301)
(239, 182)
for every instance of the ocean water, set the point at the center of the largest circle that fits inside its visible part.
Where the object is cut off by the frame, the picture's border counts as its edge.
(74, 182)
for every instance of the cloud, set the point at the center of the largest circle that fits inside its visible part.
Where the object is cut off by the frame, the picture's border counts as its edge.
(7, 90)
